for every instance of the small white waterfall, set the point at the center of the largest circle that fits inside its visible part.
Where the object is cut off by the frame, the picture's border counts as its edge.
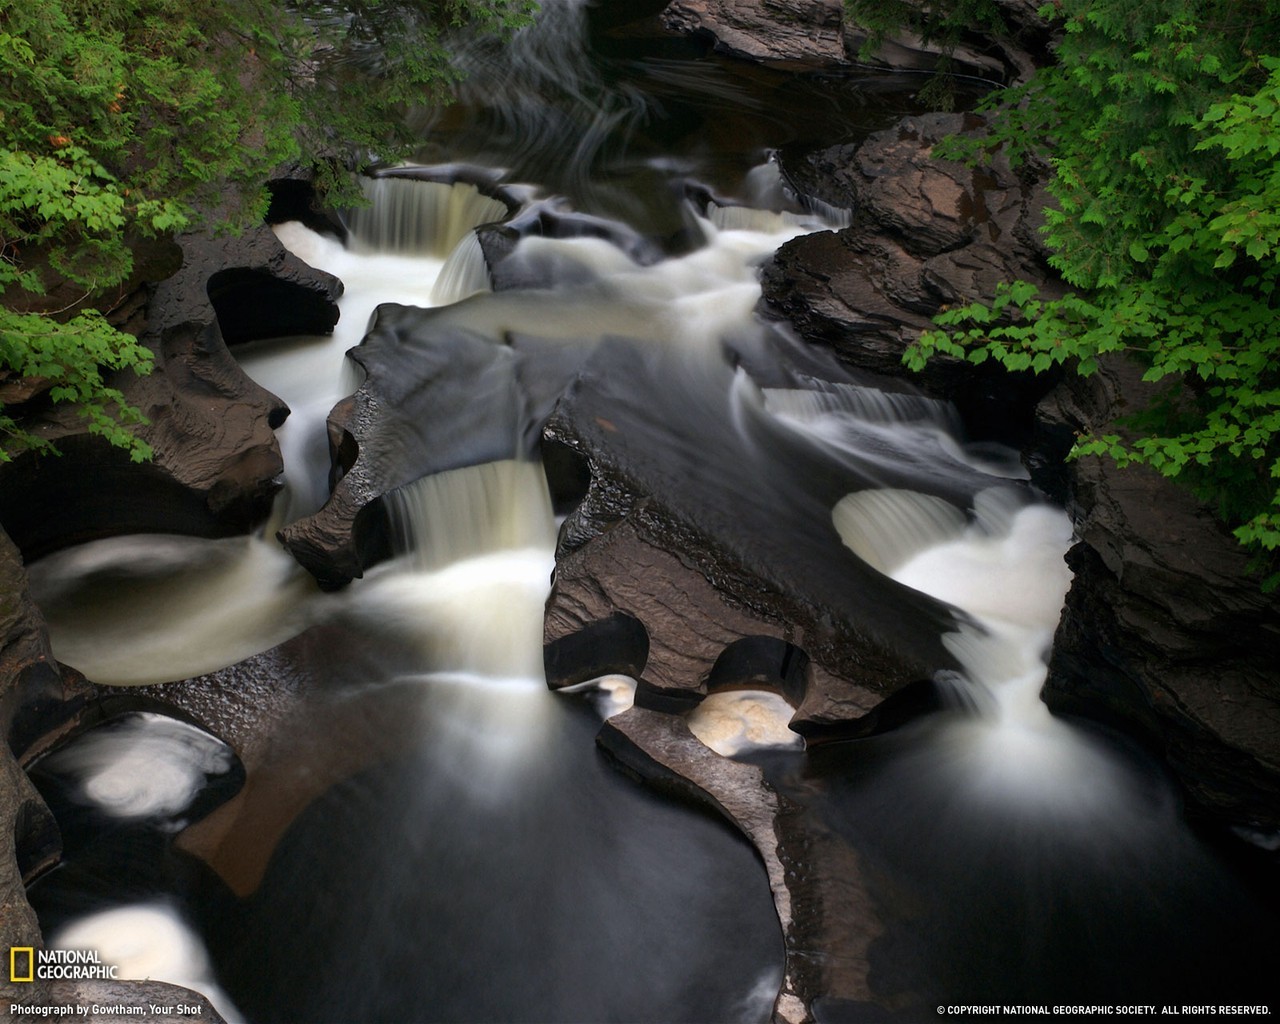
(468, 592)
(465, 272)
(876, 425)
(885, 527)
(467, 513)
(869, 405)
(1004, 568)
(747, 218)
(419, 218)
(765, 187)
(477, 550)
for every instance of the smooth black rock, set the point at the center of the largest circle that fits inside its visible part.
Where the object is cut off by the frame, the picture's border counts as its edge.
(681, 533)
(434, 398)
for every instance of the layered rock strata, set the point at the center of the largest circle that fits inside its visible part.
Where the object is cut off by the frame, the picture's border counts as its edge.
(217, 463)
(678, 552)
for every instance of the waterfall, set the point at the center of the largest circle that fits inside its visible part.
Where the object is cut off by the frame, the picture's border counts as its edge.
(885, 527)
(477, 546)
(467, 513)
(464, 851)
(419, 218)
(464, 273)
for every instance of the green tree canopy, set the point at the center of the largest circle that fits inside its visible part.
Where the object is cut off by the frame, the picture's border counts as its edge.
(123, 119)
(1160, 121)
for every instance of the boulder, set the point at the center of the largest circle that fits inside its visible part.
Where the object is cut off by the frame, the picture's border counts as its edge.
(927, 234)
(680, 552)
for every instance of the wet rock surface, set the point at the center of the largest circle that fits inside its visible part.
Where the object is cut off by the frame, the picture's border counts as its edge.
(38, 700)
(1166, 631)
(217, 462)
(811, 872)
(804, 30)
(927, 234)
(434, 399)
(101, 1002)
(819, 34)
(679, 535)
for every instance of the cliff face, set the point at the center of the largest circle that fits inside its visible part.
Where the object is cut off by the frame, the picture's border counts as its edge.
(820, 34)
(1166, 631)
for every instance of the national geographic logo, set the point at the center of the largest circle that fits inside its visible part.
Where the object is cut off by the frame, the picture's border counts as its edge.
(26, 963)
(22, 955)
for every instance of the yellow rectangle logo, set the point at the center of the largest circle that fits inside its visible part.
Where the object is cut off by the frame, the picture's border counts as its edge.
(30, 974)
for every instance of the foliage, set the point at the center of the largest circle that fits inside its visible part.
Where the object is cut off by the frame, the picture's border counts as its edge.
(1161, 123)
(123, 119)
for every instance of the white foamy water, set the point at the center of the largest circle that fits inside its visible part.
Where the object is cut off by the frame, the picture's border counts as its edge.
(1004, 568)
(134, 610)
(736, 722)
(414, 245)
(148, 942)
(145, 765)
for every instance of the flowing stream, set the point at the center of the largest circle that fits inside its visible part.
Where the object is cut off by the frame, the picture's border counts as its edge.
(431, 834)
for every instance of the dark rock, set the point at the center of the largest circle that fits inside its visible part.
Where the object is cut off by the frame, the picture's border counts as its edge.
(253, 286)
(679, 539)
(217, 463)
(550, 218)
(486, 180)
(1166, 632)
(433, 399)
(927, 234)
(804, 31)
(38, 700)
(295, 198)
(149, 1001)
(818, 34)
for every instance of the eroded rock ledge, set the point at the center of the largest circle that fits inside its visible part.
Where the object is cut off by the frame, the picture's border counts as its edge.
(819, 34)
(679, 553)
(217, 463)
(926, 234)
(1166, 630)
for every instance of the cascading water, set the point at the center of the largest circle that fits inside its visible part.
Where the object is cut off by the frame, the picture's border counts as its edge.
(433, 819)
